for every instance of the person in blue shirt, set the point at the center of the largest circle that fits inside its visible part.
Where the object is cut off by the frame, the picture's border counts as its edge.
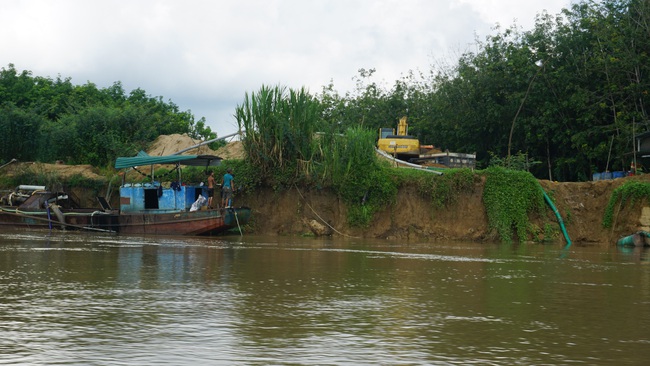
(227, 187)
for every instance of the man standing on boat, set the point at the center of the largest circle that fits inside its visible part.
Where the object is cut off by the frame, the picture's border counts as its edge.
(227, 188)
(211, 184)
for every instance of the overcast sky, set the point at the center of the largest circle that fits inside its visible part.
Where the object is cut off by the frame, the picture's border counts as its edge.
(204, 55)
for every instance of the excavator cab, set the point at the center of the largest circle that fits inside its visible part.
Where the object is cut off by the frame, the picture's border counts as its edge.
(385, 132)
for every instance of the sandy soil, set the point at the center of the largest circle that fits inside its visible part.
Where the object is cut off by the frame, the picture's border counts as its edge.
(60, 170)
(169, 144)
(411, 219)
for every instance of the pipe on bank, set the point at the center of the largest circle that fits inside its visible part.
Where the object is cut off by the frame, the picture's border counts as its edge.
(559, 217)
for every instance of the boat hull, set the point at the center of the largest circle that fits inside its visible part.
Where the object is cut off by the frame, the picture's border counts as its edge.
(201, 222)
(82, 219)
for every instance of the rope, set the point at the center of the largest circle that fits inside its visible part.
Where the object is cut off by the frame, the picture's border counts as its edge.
(323, 220)
(157, 175)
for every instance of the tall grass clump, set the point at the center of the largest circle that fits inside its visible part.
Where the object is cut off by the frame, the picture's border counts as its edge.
(288, 142)
(279, 129)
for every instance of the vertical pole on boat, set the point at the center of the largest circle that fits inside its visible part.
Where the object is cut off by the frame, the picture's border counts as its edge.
(237, 218)
(49, 218)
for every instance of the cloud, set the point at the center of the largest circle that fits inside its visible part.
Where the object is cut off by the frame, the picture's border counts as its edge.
(205, 55)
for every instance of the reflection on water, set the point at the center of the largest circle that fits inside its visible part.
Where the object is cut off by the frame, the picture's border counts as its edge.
(77, 298)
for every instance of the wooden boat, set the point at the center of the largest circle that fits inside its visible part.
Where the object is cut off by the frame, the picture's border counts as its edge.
(148, 208)
(35, 207)
(178, 209)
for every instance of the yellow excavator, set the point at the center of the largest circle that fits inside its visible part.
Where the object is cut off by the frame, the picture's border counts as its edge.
(400, 145)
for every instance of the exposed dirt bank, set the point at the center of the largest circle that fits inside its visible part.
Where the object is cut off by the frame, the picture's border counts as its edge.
(582, 206)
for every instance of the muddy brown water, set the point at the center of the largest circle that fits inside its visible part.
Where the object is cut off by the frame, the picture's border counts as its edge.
(71, 298)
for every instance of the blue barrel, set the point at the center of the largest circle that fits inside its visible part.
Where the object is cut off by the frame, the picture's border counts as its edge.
(606, 175)
(618, 175)
(596, 176)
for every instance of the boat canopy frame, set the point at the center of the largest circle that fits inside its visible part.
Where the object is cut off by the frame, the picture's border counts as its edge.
(145, 159)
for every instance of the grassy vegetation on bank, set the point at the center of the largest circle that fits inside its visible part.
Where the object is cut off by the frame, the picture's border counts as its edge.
(626, 195)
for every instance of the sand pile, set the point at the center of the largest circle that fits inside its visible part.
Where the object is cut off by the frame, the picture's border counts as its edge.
(170, 144)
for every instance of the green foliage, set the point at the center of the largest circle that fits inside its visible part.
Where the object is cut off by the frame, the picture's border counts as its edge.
(550, 232)
(568, 217)
(547, 233)
(509, 197)
(348, 157)
(280, 127)
(283, 147)
(195, 175)
(367, 192)
(443, 190)
(283, 179)
(19, 138)
(360, 215)
(216, 145)
(78, 180)
(47, 120)
(246, 176)
(200, 131)
(627, 194)
(349, 165)
(519, 161)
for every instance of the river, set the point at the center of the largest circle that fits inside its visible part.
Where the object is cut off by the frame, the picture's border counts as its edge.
(72, 298)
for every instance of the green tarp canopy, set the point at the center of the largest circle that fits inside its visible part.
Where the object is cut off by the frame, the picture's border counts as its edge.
(143, 159)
